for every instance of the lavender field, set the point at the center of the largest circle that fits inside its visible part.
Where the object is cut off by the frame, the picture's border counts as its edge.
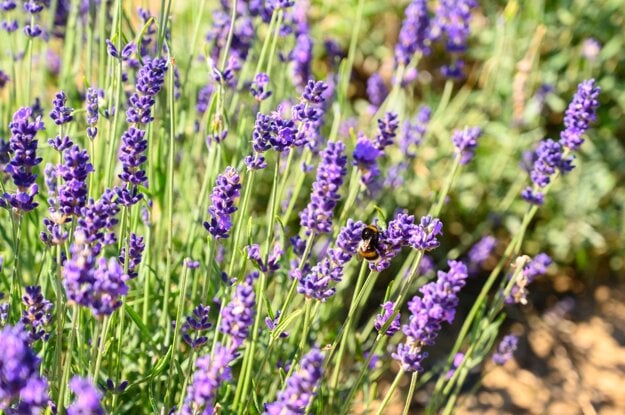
(311, 207)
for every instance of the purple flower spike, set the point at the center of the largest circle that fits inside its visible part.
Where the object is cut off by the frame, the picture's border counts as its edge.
(481, 251)
(150, 79)
(37, 314)
(536, 267)
(317, 216)
(23, 145)
(548, 159)
(376, 90)
(580, 113)
(92, 112)
(258, 88)
(87, 398)
(387, 131)
(194, 325)
(61, 114)
(22, 389)
(382, 318)
(505, 349)
(465, 142)
(300, 387)
(413, 35)
(414, 132)
(211, 371)
(136, 246)
(225, 192)
(238, 315)
(436, 306)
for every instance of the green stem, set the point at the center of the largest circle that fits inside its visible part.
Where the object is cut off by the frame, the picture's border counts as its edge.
(390, 392)
(101, 346)
(413, 386)
(68, 362)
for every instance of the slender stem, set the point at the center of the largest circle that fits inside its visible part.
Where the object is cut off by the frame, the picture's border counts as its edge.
(176, 341)
(68, 361)
(101, 346)
(390, 392)
(170, 202)
(413, 386)
(347, 328)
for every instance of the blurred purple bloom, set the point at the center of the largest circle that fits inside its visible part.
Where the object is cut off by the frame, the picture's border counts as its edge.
(365, 157)
(376, 90)
(481, 251)
(259, 87)
(22, 389)
(387, 131)
(452, 21)
(548, 159)
(317, 216)
(226, 191)
(4, 79)
(238, 315)
(211, 371)
(591, 49)
(382, 318)
(535, 268)
(86, 398)
(505, 349)
(414, 32)
(465, 142)
(414, 132)
(300, 387)
(458, 358)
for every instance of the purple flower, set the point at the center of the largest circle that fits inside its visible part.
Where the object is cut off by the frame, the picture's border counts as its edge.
(300, 387)
(150, 79)
(22, 389)
(414, 132)
(226, 191)
(86, 398)
(60, 144)
(402, 231)
(4, 79)
(23, 145)
(452, 20)
(273, 261)
(535, 268)
(505, 349)
(436, 306)
(72, 194)
(301, 58)
(97, 220)
(238, 315)
(465, 142)
(316, 284)
(211, 371)
(317, 216)
(36, 314)
(376, 90)
(136, 247)
(381, 319)
(413, 35)
(97, 284)
(387, 131)
(92, 112)
(258, 88)
(579, 114)
(60, 113)
(365, 157)
(458, 358)
(548, 159)
(481, 251)
(591, 49)
(194, 325)
(347, 241)
(131, 155)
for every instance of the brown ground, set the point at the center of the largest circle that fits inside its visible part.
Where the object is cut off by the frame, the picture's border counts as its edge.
(571, 360)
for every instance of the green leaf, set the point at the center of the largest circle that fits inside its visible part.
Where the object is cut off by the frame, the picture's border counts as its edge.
(145, 332)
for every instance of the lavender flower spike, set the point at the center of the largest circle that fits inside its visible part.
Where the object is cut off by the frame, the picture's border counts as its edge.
(465, 142)
(225, 192)
(300, 387)
(87, 398)
(413, 35)
(317, 216)
(382, 318)
(23, 145)
(505, 349)
(61, 114)
(22, 389)
(211, 371)
(436, 306)
(36, 314)
(580, 113)
(238, 314)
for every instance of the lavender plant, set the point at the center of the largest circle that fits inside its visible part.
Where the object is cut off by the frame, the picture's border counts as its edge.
(208, 172)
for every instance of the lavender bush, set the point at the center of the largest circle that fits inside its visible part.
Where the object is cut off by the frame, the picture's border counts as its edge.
(187, 191)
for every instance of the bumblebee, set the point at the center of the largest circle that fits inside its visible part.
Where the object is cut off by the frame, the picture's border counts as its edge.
(369, 246)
